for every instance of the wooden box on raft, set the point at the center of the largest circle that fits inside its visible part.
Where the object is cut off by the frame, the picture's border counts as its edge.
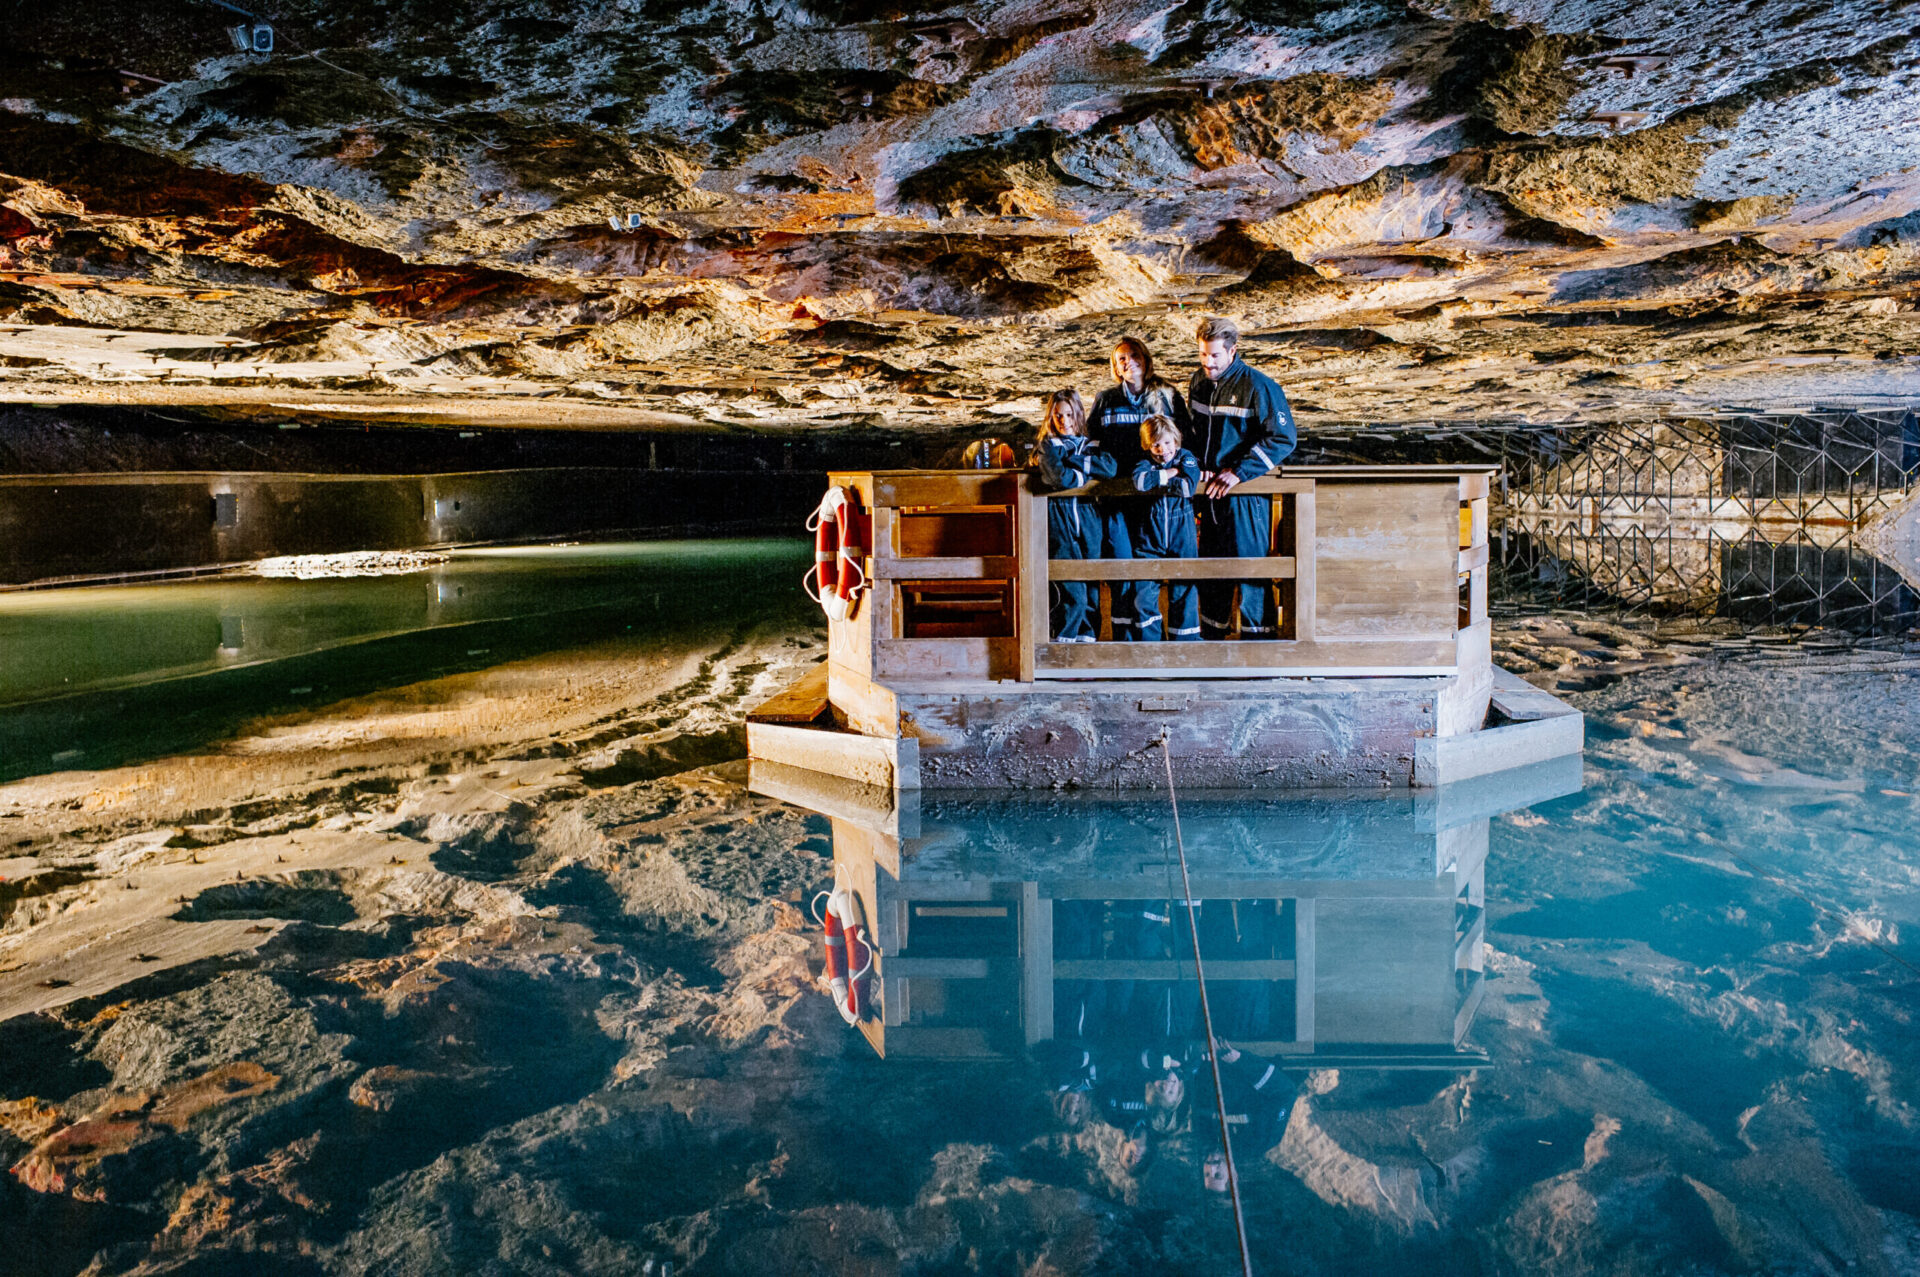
(945, 676)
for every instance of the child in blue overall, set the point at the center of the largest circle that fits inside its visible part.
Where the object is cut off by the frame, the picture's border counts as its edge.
(1169, 475)
(1068, 459)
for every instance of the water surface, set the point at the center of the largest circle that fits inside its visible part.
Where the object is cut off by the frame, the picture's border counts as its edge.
(95, 677)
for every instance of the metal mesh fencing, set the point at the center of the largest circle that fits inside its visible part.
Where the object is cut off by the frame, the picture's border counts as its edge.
(1745, 517)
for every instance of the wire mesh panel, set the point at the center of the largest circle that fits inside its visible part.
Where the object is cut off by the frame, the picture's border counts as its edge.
(1753, 578)
(1745, 515)
(1839, 465)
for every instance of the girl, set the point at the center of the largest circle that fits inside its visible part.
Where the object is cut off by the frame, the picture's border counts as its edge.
(1114, 423)
(1164, 529)
(1068, 459)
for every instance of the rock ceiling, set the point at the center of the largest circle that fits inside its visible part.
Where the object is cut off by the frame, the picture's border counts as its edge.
(836, 214)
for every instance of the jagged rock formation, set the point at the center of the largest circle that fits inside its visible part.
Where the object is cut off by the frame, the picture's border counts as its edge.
(910, 216)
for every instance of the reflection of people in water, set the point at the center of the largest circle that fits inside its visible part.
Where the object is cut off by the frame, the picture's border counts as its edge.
(1259, 1097)
(1230, 931)
(1129, 1057)
(1120, 1105)
(1135, 1010)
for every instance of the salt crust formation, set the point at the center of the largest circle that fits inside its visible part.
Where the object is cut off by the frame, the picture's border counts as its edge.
(506, 972)
(779, 216)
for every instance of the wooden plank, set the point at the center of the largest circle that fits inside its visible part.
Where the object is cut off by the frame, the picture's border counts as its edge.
(921, 658)
(1474, 484)
(942, 1042)
(1248, 888)
(871, 807)
(1474, 557)
(952, 532)
(1269, 485)
(1171, 969)
(1385, 558)
(1520, 700)
(1444, 760)
(1030, 628)
(1305, 942)
(866, 759)
(860, 704)
(802, 701)
(1302, 479)
(889, 568)
(1247, 658)
(1356, 471)
(1036, 954)
(943, 487)
(1306, 577)
(883, 602)
(1262, 567)
(902, 967)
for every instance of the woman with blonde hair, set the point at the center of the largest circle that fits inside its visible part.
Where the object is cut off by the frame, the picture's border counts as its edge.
(1069, 459)
(1114, 422)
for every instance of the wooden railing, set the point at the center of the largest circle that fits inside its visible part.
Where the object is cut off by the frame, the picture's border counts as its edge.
(1375, 570)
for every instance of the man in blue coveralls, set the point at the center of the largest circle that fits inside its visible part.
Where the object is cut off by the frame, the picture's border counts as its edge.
(1242, 429)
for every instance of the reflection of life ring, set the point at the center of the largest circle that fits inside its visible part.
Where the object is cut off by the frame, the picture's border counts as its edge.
(839, 545)
(849, 956)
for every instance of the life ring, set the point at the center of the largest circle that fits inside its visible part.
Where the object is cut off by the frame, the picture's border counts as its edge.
(836, 581)
(849, 953)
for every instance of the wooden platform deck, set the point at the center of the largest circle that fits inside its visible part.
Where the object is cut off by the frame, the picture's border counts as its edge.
(1379, 581)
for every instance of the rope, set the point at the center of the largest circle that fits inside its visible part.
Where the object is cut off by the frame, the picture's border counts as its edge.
(1206, 1018)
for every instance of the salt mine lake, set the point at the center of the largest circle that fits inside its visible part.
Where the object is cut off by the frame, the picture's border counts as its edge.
(432, 970)
(98, 676)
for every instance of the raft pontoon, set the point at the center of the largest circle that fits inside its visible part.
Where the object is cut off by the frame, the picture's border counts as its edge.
(944, 675)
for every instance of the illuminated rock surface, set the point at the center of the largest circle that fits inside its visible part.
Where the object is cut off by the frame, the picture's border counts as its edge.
(845, 214)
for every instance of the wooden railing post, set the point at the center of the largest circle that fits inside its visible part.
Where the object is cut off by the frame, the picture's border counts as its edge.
(1030, 590)
(1303, 575)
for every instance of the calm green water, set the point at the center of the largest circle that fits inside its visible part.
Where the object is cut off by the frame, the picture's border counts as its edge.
(94, 677)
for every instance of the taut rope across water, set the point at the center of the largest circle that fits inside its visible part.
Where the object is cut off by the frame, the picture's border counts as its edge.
(1206, 1018)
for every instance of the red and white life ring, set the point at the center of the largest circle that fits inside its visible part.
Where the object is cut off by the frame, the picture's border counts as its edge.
(849, 954)
(836, 580)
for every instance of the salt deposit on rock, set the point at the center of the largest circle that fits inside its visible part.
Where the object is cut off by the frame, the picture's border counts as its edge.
(314, 567)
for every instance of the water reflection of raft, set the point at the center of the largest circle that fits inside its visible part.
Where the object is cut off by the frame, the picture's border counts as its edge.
(943, 676)
(998, 917)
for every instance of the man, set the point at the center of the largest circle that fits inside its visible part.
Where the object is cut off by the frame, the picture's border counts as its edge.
(1242, 429)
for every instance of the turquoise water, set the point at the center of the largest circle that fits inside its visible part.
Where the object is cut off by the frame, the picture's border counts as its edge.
(95, 677)
(1659, 1020)
(1652, 1014)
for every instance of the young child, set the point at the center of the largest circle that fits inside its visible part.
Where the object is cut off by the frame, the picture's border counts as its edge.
(1068, 459)
(1170, 476)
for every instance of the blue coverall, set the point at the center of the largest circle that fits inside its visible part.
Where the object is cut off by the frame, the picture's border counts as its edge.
(1241, 424)
(1073, 527)
(1165, 531)
(1114, 423)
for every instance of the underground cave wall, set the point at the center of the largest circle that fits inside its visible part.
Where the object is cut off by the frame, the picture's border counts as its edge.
(100, 526)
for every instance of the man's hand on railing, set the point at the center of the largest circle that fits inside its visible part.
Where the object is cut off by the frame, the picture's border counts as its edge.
(1221, 482)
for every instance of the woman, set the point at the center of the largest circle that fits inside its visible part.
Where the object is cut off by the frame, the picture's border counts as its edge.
(1069, 459)
(1114, 423)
